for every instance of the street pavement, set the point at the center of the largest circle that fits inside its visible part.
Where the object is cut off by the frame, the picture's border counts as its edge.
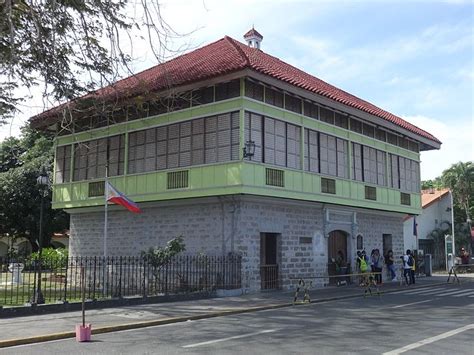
(435, 320)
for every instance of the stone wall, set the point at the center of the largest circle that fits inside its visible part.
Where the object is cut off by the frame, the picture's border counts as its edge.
(217, 226)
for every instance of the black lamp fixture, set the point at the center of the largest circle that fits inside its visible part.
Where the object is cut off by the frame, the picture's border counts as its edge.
(249, 149)
(43, 182)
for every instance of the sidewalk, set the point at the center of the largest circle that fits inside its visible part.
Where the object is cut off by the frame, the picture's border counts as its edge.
(112, 319)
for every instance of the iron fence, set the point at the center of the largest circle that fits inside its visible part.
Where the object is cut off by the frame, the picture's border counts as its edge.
(114, 277)
(269, 277)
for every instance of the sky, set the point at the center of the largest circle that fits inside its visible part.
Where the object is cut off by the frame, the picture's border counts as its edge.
(414, 59)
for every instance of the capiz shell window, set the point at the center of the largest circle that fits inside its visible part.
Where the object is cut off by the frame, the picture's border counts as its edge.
(200, 141)
(92, 157)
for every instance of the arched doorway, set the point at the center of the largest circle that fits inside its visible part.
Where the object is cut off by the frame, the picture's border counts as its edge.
(337, 241)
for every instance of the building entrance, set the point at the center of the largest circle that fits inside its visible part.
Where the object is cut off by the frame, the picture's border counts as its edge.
(269, 273)
(337, 241)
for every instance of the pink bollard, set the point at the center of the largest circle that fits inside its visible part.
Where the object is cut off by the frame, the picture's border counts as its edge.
(83, 333)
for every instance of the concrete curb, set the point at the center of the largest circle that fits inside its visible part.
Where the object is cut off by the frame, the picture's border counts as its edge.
(171, 320)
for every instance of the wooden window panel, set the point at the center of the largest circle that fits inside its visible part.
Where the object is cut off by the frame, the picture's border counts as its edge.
(357, 161)
(342, 121)
(292, 103)
(392, 138)
(380, 134)
(380, 167)
(368, 130)
(274, 97)
(326, 115)
(227, 90)
(323, 153)
(253, 90)
(355, 125)
(203, 96)
(311, 110)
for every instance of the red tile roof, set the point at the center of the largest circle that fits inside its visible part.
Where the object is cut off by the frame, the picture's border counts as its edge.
(222, 57)
(430, 196)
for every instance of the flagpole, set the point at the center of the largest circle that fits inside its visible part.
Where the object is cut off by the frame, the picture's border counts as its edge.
(106, 190)
(106, 195)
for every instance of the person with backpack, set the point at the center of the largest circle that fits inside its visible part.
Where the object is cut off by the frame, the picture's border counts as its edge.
(362, 264)
(408, 263)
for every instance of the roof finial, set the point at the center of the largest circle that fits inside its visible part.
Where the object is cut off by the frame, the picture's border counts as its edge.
(253, 38)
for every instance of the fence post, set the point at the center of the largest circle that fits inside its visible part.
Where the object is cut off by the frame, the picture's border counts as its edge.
(144, 293)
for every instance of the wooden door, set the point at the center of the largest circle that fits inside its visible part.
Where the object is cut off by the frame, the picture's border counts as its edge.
(337, 241)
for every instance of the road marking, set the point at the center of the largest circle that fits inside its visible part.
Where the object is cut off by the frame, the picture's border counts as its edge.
(430, 340)
(419, 292)
(450, 293)
(415, 291)
(465, 294)
(229, 338)
(410, 304)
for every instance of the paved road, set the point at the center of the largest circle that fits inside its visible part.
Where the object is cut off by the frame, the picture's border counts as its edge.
(438, 320)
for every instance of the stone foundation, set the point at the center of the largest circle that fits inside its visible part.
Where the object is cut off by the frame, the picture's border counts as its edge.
(217, 226)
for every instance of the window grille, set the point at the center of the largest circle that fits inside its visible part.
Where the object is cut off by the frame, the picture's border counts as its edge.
(275, 177)
(96, 188)
(371, 193)
(177, 179)
(328, 186)
(405, 199)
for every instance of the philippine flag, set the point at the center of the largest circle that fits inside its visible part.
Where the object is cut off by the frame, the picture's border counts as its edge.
(115, 196)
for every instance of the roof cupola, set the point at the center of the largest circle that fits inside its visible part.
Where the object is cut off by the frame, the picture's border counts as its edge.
(253, 38)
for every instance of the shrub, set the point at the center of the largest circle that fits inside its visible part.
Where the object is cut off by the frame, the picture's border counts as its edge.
(52, 257)
(160, 256)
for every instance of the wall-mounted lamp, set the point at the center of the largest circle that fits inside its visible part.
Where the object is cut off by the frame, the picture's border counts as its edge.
(249, 149)
(448, 209)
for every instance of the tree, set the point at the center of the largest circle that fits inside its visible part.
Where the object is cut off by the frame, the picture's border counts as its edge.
(21, 161)
(72, 47)
(460, 179)
(436, 183)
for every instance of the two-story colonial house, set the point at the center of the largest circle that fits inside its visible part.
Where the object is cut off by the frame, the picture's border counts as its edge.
(238, 152)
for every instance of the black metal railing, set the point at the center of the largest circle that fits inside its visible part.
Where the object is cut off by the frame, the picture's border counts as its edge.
(115, 277)
(269, 277)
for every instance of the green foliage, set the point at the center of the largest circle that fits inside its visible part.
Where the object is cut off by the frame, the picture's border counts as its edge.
(51, 256)
(21, 161)
(460, 179)
(160, 256)
(72, 47)
(436, 183)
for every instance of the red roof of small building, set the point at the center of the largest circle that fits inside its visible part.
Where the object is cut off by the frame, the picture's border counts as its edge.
(428, 197)
(223, 57)
(253, 32)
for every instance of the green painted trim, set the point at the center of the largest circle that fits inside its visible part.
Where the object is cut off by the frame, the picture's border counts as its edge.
(236, 178)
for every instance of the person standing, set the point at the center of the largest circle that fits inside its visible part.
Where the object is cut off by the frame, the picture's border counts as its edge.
(413, 267)
(390, 261)
(407, 266)
(464, 255)
(377, 265)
